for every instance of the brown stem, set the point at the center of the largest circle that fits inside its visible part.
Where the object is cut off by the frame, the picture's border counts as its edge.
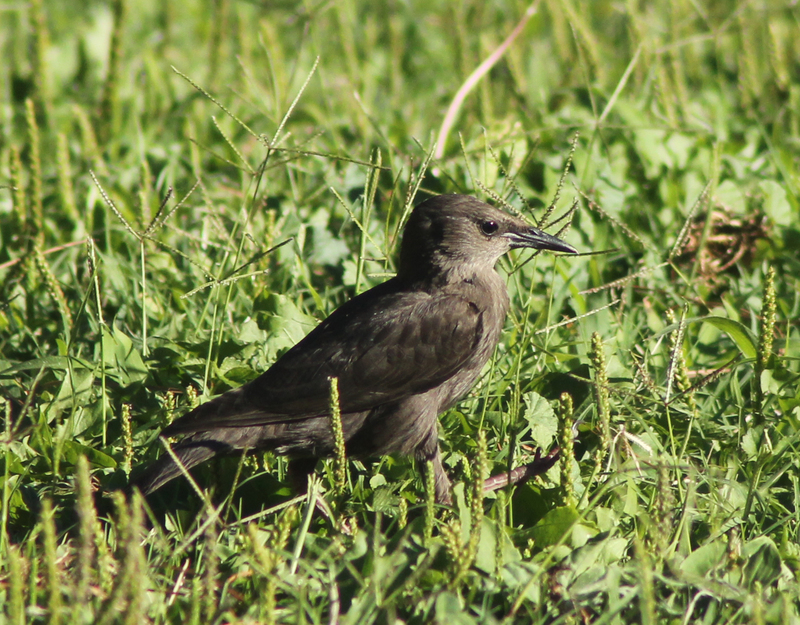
(522, 474)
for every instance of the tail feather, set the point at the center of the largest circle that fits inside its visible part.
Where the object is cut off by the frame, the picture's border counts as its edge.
(217, 412)
(165, 469)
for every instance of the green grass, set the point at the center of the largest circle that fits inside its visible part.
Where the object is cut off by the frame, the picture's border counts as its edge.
(243, 195)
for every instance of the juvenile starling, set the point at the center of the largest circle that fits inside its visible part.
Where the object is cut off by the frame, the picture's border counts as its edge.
(403, 352)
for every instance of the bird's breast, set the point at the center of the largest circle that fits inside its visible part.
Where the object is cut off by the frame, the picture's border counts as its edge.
(488, 299)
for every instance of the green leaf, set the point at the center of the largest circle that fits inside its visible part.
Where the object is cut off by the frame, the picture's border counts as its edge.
(703, 559)
(769, 384)
(385, 501)
(56, 363)
(541, 419)
(731, 197)
(96, 457)
(286, 323)
(249, 332)
(763, 561)
(680, 147)
(776, 206)
(551, 529)
(750, 442)
(327, 248)
(486, 558)
(520, 577)
(76, 389)
(122, 359)
(740, 334)
(450, 612)
(650, 146)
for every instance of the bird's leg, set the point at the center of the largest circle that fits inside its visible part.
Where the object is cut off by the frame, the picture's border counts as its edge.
(429, 451)
(298, 471)
(442, 483)
(522, 474)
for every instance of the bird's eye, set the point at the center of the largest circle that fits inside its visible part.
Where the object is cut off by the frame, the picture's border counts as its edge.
(489, 227)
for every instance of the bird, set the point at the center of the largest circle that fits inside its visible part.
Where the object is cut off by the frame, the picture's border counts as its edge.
(402, 352)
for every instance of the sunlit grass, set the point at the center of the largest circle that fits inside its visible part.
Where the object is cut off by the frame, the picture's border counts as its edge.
(189, 188)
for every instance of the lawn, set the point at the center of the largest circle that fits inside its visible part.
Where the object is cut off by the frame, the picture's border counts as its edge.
(188, 188)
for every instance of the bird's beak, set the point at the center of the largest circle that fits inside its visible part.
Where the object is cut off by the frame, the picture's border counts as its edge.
(535, 238)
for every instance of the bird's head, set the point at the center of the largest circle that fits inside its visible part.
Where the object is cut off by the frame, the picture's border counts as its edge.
(452, 232)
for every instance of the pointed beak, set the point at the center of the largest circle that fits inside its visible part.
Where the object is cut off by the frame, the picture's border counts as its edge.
(538, 240)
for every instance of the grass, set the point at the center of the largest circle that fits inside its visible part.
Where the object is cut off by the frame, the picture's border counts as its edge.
(189, 187)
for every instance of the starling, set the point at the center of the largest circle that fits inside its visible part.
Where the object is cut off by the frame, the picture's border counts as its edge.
(403, 352)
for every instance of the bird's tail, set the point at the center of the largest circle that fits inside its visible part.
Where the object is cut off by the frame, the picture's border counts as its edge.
(164, 469)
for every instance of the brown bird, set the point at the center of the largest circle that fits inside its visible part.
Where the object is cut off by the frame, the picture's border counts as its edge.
(403, 352)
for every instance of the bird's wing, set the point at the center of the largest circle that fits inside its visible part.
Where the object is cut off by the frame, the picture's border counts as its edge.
(380, 348)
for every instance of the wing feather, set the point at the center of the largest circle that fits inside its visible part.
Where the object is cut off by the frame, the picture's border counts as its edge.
(381, 348)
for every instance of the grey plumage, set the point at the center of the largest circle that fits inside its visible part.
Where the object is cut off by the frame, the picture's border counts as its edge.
(403, 352)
